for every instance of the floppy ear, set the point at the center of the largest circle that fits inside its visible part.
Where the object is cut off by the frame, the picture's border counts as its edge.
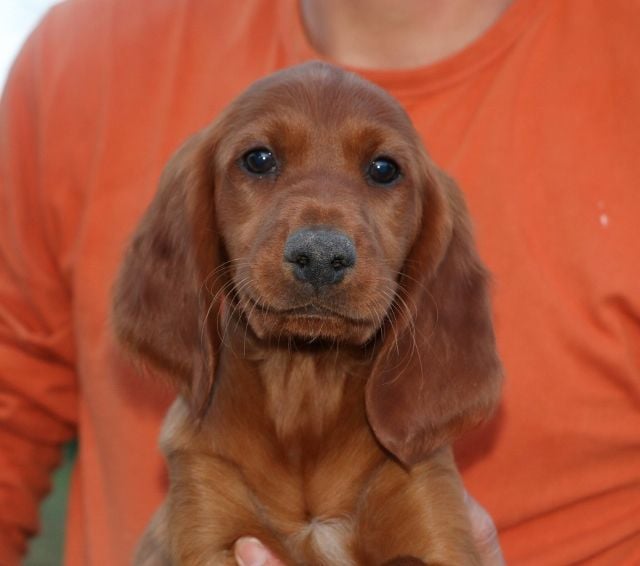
(164, 310)
(437, 373)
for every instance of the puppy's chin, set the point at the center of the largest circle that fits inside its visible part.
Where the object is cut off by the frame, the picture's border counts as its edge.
(310, 327)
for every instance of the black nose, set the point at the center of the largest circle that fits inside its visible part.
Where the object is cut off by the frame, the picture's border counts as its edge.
(320, 256)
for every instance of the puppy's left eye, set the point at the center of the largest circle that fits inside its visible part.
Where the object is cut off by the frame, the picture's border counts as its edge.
(383, 171)
(259, 161)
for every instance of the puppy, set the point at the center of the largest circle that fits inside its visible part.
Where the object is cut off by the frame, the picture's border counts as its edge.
(307, 278)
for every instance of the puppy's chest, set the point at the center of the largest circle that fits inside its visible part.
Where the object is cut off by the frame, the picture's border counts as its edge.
(304, 396)
(326, 455)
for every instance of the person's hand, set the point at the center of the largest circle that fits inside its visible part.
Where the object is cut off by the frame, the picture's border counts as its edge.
(484, 533)
(251, 552)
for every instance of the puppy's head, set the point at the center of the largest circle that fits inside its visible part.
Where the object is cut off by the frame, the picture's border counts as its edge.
(318, 201)
(312, 209)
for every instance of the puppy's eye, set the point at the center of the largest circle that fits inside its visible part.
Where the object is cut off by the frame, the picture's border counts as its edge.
(259, 161)
(383, 171)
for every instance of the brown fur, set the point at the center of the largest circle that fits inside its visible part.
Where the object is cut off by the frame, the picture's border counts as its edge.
(325, 434)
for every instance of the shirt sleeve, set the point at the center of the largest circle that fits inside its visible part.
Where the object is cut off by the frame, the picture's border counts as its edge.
(38, 393)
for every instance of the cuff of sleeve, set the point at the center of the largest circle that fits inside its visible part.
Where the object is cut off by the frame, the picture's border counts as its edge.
(12, 546)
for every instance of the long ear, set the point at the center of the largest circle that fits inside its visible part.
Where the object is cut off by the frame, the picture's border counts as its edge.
(438, 372)
(162, 308)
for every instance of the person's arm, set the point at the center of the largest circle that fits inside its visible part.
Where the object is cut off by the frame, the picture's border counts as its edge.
(37, 376)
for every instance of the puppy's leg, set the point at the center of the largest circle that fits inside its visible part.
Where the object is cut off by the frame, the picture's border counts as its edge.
(417, 516)
(209, 507)
(153, 549)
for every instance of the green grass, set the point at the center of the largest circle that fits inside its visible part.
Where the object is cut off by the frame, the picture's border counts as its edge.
(46, 549)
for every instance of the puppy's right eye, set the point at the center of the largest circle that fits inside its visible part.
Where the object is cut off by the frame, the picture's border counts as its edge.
(259, 161)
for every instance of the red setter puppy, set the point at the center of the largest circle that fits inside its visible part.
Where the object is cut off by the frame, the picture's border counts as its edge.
(308, 278)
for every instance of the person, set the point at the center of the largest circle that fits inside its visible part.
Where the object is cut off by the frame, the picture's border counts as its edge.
(532, 105)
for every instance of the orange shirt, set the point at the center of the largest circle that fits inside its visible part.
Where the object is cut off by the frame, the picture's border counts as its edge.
(539, 120)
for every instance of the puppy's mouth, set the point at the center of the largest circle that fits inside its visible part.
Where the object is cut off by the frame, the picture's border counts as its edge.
(310, 310)
(309, 321)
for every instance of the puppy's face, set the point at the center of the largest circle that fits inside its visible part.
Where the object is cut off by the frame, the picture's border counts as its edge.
(319, 196)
